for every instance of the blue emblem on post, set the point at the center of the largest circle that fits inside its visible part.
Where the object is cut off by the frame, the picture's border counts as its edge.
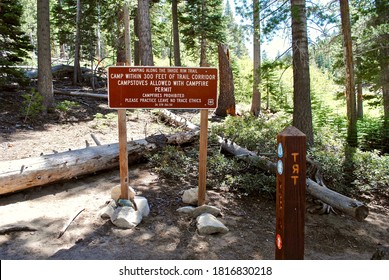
(280, 167)
(280, 150)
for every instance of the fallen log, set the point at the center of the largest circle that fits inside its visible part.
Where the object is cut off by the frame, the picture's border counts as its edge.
(81, 93)
(347, 205)
(25, 173)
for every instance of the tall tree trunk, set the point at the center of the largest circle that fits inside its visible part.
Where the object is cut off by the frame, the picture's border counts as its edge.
(203, 53)
(360, 100)
(136, 39)
(349, 70)
(77, 68)
(45, 78)
(359, 88)
(127, 34)
(120, 47)
(226, 101)
(203, 40)
(176, 34)
(145, 46)
(382, 8)
(302, 112)
(256, 99)
(98, 35)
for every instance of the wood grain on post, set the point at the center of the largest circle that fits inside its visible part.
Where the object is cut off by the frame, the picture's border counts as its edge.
(203, 156)
(290, 195)
(123, 158)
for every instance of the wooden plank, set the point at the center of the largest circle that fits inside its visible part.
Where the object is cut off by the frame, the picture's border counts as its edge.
(290, 194)
(203, 156)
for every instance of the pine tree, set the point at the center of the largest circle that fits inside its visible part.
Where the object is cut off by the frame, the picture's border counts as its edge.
(203, 28)
(14, 44)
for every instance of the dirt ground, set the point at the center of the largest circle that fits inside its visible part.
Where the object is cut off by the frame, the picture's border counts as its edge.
(162, 235)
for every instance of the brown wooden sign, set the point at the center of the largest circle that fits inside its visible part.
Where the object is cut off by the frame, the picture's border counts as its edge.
(290, 200)
(162, 87)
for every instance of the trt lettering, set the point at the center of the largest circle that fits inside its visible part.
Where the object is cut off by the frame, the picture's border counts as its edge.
(295, 169)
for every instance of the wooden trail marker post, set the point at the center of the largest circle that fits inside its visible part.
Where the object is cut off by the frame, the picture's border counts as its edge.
(290, 194)
(151, 87)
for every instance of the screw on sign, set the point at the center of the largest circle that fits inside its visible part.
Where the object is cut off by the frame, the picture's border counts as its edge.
(290, 194)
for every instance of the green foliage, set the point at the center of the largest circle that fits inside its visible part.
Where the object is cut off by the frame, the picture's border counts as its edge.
(32, 105)
(101, 120)
(14, 44)
(235, 35)
(66, 105)
(371, 171)
(174, 163)
(369, 167)
(243, 79)
(255, 134)
(371, 134)
(202, 21)
(65, 25)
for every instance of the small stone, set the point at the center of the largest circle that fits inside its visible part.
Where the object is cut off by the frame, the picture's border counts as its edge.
(142, 205)
(206, 209)
(191, 196)
(126, 217)
(116, 192)
(186, 210)
(107, 211)
(208, 224)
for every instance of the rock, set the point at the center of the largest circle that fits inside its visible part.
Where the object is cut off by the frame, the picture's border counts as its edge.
(208, 224)
(186, 210)
(116, 191)
(142, 205)
(126, 217)
(190, 196)
(107, 211)
(205, 209)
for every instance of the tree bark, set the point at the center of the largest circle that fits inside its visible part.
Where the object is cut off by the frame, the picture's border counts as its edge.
(120, 43)
(348, 205)
(360, 100)
(77, 69)
(382, 8)
(136, 39)
(203, 39)
(256, 99)
(145, 46)
(302, 111)
(127, 35)
(30, 172)
(226, 100)
(349, 74)
(176, 34)
(45, 78)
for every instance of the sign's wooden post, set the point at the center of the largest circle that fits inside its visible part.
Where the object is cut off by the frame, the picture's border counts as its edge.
(290, 200)
(203, 157)
(123, 157)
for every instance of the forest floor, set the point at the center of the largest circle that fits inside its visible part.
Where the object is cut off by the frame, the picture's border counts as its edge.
(161, 235)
